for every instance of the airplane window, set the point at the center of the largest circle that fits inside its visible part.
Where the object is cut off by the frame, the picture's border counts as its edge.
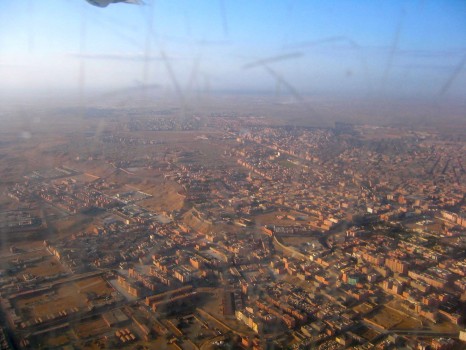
(232, 174)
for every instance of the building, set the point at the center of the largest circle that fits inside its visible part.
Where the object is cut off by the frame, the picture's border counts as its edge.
(249, 320)
(397, 265)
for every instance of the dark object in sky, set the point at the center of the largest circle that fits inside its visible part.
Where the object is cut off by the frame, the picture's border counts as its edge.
(105, 3)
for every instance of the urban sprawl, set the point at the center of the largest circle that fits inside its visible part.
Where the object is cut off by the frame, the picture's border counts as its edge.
(275, 237)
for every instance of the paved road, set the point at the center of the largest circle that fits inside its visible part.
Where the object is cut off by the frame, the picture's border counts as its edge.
(208, 343)
(215, 319)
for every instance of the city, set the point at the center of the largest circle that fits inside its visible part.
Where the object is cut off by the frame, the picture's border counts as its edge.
(232, 175)
(220, 230)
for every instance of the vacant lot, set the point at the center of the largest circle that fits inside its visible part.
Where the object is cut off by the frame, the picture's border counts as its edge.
(65, 297)
(81, 179)
(194, 328)
(65, 227)
(48, 267)
(93, 285)
(387, 317)
(36, 251)
(60, 340)
(165, 195)
(275, 218)
(50, 303)
(367, 333)
(91, 328)
(300, 241)
(196, 224)
(410, 323)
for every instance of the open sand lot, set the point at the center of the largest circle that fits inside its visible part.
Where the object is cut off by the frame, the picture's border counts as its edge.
(81, 179)
(74, 224)
(165, 197)
(164, 192)
(387, 317)
(272, 219)
(26, 247)
(91, 328)
(194, 328)
(49, 266)
(54, 342)
(195, 223)
(299, 241)
(63, 297)
(94, 284)
(34, 252)
(367, 333)
(410, 323)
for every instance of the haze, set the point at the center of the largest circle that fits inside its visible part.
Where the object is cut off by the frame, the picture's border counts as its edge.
(368, 49)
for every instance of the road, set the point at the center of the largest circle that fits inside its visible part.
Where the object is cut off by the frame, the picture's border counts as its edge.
(222, 324)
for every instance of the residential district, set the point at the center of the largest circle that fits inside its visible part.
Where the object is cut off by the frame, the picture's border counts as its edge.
(281, 237)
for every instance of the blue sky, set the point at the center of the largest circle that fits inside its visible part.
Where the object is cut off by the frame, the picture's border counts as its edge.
(396, 48)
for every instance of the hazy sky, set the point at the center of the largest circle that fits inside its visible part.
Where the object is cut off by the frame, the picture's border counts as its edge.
(395, 48)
